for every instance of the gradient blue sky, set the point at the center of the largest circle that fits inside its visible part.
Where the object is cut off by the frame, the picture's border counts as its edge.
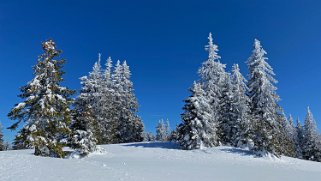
(163, 42)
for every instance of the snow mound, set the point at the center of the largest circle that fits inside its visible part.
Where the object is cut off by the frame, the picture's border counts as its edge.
(155, 162)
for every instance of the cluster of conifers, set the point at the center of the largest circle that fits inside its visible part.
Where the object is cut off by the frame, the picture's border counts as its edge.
(227, 109)
(104, 112)
(223, 109)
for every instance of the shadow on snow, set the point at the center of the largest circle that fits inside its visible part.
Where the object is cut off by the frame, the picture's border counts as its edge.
(239, 151)
(165, 145)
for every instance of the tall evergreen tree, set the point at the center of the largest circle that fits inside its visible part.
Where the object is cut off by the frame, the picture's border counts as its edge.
(97, 101)
(45, 108)
(311, 145)
(108, 107)
(85, 128)
(291, 135)
(298, 139)
(264, 107)
(286, 138)
(243, 133)
(212, 73)
(198, 129)
(130, 126)
(227, 113)
(88, 99)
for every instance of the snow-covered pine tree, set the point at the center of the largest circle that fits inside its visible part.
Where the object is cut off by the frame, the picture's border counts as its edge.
(2, 144)
(264, 107)
(212, 73)
(286, 136)
(227, 120)
(311, 148)
(96, 100)
(298, 139)
(116, 78)
(198, 129)
(242, 136)
(290, 133)
(107, 106)
(162, 130)
(45, 108)
(111, 103)
(131, 105)
(85, 127)
(93, 85)
(129, 126)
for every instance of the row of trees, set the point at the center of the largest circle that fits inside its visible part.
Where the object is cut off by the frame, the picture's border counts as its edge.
(104, 112)
(227, 109)
(223, 109)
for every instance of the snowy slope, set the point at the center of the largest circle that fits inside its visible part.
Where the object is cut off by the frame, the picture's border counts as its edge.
(156, 161)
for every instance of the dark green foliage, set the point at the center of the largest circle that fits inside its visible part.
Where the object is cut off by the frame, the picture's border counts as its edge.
(45, 108)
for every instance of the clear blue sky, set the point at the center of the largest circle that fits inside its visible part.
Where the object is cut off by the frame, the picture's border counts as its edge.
(163, 42)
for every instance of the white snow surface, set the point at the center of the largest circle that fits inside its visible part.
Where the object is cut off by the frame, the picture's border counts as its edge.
(155, 162)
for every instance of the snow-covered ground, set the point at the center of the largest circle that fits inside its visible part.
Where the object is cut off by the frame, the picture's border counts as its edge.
(156, 161)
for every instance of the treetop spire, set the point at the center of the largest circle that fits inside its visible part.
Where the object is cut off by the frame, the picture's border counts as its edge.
(212, 49)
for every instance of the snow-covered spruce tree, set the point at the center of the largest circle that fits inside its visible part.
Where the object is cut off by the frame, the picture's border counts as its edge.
(109, 105)
(212, 73)
(198, 129)
(137, 127)
(116, 104)
(291, 134)
(286, 138)
(45, 108)
(264, 107)
(129, 126)
(85, 128)
(2, 144)
(93, 97)
(290, 128)
(94, 88)
(311, 144)
(227, 120)
(242, 136)
(298, 139)
(162, 130)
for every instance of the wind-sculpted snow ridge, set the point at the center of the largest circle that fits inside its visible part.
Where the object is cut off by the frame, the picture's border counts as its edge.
(156, 161)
